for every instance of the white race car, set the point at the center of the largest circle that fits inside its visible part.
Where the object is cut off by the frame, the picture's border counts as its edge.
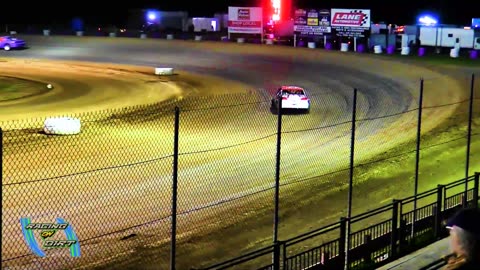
(293, 97)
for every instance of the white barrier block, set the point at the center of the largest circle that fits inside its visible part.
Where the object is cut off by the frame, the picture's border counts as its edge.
(405, 51)
(62, 126)
(112, 34)
(163, 71)
(269, 41)
(240, 40)
(198, 38)
(79, 33)
(377, 49)
(169, 36)
(344, 47)
(454, 53)
(46, 32)
(311, 45)
(143, 36)
(13, 32)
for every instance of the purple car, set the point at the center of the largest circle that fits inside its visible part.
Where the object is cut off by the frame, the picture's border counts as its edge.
(8, 42)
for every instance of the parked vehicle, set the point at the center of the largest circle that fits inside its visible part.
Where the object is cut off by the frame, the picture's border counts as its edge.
(8, 42)
(449, 37)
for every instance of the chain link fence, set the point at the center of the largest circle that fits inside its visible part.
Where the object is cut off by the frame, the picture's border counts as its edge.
(114, 181)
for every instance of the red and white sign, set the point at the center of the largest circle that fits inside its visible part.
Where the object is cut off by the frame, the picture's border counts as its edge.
(351, 18)
(247, 20)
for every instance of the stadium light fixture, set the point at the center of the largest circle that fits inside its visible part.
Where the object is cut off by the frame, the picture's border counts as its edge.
(427, 20)
(152, 16)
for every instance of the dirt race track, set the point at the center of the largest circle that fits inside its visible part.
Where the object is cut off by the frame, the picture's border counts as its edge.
(114, 179)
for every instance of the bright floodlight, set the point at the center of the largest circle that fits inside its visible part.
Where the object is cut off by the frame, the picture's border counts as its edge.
(427, 20)
(151, 16)
(475, 22)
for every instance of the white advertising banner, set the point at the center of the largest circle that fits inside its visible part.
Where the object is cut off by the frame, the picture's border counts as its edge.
(357, 18)
(246, 20)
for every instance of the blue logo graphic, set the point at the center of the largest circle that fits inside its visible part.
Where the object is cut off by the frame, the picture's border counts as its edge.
(47, 230)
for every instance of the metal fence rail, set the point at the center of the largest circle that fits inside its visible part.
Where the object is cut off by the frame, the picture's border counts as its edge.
(380, 243)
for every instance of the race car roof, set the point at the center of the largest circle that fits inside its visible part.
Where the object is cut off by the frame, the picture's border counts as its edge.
(289, 87)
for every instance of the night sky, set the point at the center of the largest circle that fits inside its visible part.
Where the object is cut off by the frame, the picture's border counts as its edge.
(99, 12)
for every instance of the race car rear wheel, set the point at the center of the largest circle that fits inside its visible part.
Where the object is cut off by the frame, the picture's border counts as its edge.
(6, 47)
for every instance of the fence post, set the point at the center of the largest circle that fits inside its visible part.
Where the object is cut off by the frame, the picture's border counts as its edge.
(174, 188)
(277, 175)
(276, 256)
(475, 189)
(469, 136)
(438, 211)
(350, 183)
(394, 236)
(342, 242)
(1, 179)
(417, 158)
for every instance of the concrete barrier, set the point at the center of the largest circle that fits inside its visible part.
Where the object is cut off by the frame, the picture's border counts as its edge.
(143, 36)
(112, 34)
(46, 32)
(163, 71)
(474, 54)
(79, 33)
(240, 40)
(391, 49)
(169, 36)
(62, 126)
(344, 47)
(360, 48)
(454, 53)
(198, 38)
(422, 51)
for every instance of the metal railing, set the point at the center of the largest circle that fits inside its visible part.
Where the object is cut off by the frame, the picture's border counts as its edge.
(374, 245)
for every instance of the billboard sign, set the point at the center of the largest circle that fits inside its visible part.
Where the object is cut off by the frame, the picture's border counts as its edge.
(247, 20)
(312, 22)
(351, 22)
(351, 18)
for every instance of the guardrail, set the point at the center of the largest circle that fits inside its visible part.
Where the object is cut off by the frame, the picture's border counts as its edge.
(374, 245)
